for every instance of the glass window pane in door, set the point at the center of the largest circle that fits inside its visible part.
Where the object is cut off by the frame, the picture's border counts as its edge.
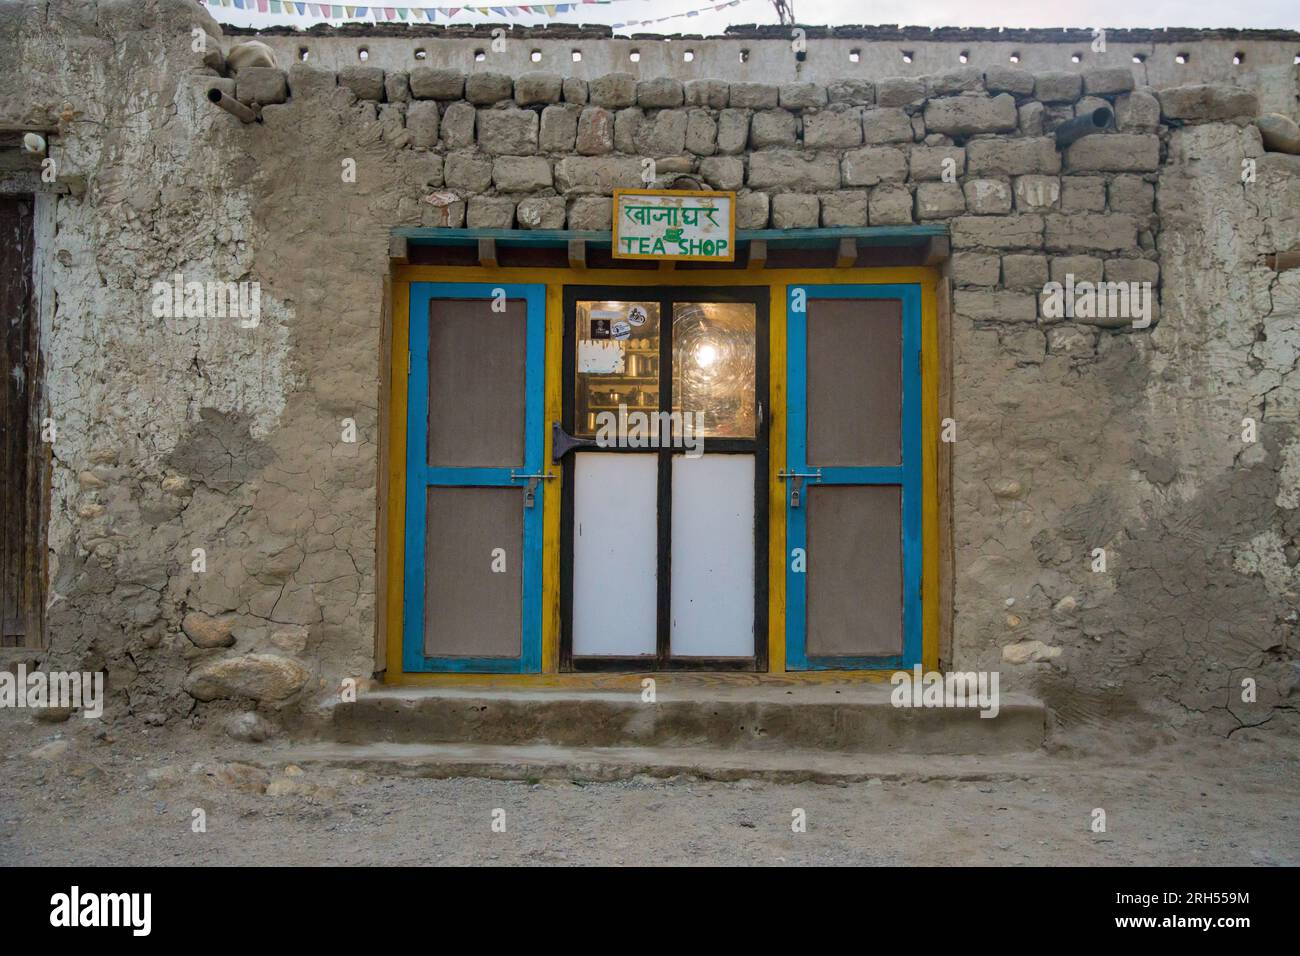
(617, 356)
(714, 365)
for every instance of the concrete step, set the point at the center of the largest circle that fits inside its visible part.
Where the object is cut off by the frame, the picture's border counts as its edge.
(603, 764)
(842, 718)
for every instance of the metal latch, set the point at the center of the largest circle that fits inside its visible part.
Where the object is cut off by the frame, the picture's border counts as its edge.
(796, 482)
(530, 492)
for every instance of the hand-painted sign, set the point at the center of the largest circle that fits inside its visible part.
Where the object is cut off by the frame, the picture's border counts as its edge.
(674, 224)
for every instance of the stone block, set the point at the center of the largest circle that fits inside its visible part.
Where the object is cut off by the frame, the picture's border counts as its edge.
(978, 305)
(1036, 193)
(1057, 87)
(773, 128)
(846, 207)
(521, 173)
(591, 214)
(890, 204)
(422, 122)
(595, 132)
(987, 197)
(1008, 79)
(976, 268)
(1066, 232)
(490, 212)
(1024, 272)
(851, 91)
(801, 96)
(795, 211)
(1107, 81)
(261, 85)
(891, 125)
(832, 129)
(900, 91)
(659, 93)
(713, 94)
(936, 162)
(507, 132)
(723, 172)
(965, 115)
(540, 212)
(1013, 157)
(701, 133)
(428, 83)
(481, 89)
(458, 125)
(365, 81)
(1114, 152)
(538, 88)
(872, 165)
(601, 175)
(558, 128)
(791, 169)
(939, 201)
(1020, 231)
(754, 96)
(733, 131)
(1207, 102)
(468, 172)
(752, 209)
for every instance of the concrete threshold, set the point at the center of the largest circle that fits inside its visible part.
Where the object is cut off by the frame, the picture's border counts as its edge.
(751, 718)
(607, 764)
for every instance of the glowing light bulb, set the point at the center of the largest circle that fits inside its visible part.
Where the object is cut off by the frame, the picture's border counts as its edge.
(706, 355)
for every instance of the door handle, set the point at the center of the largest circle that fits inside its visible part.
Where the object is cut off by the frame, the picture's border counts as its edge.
(562, 442)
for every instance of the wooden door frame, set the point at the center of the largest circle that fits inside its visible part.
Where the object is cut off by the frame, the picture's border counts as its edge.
(422, 295)
(760, 297)
(908, 475)
(25, 501)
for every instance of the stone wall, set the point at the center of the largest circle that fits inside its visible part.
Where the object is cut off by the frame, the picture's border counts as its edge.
(1072, 434)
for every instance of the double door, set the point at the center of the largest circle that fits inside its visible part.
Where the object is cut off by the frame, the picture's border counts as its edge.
(663, 441)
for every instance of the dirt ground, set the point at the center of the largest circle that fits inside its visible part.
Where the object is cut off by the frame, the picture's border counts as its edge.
(81, 794)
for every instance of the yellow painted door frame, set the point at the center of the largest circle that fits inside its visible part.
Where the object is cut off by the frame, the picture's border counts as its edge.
(392, 509)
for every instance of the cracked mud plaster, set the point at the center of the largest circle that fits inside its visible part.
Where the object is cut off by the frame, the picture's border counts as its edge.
(1133, 444)
(180, 434)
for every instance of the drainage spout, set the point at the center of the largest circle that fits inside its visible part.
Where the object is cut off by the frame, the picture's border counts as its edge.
(1081, 126)
(241, 112)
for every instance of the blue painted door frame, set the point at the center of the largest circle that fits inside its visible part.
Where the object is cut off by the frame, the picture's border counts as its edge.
(907, 475)
(419, 477)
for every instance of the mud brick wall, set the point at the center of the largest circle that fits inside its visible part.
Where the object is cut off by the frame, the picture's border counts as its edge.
(1071, 434)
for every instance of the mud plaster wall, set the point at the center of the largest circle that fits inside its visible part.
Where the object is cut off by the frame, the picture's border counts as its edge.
(180, 434)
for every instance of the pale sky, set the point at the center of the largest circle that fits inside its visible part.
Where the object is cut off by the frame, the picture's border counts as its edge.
(952, 13)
